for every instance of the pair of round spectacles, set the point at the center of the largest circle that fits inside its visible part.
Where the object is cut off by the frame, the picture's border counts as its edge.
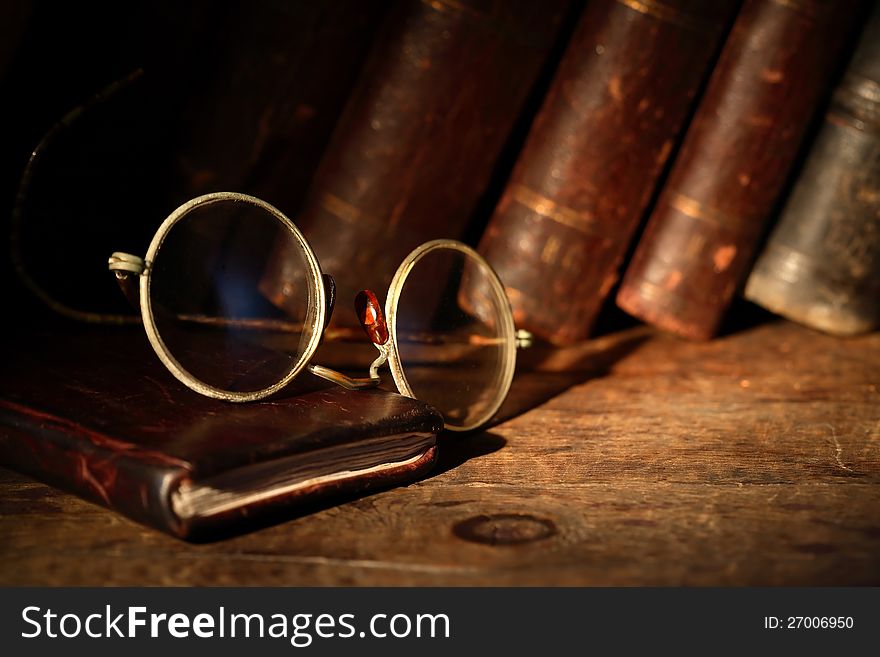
(447, 331)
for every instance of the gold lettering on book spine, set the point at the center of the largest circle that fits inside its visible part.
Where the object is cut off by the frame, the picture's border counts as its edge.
(856, 104)
(580, 220)
(451, 6)
(666, 14)
(550, 252)
(804, 6)
(345, 210)
(691, 207)
(848, 121)
(865, 87)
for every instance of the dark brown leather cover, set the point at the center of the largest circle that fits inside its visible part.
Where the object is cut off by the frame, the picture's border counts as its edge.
(773, 72)
(821, 266)
(93, 411)
(595, 151)
(420, 136)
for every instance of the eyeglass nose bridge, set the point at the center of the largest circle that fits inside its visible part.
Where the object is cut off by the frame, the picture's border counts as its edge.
(372, 320)
(352, 383)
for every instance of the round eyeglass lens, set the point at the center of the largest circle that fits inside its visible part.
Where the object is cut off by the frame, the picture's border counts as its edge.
(207, 301)
(454, 333)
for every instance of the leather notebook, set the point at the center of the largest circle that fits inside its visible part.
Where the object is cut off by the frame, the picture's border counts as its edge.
(91, 410)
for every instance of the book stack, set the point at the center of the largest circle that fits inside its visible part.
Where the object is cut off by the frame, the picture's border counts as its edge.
(663, 154)
(739, 151)
(637, 151)
(657, 144)
(821, 265)
(416, 145)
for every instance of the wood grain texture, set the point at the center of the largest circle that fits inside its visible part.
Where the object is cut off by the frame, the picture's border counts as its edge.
(750, 460)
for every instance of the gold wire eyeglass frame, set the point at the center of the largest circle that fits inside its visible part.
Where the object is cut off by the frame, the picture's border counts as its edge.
(125, 265)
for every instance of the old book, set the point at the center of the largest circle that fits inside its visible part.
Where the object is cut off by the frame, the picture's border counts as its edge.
(420, 136)
(771, 77)
(620, 97)
(92, 411)
(821, 265)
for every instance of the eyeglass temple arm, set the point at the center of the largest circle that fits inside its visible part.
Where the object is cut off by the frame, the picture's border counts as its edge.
(18, 210)
(127, 269)
(523, 339)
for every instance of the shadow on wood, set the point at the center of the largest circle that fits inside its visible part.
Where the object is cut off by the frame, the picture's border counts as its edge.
(456, 449)
(544, 371)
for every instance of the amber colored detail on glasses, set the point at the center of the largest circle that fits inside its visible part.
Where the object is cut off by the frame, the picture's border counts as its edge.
(369, 313)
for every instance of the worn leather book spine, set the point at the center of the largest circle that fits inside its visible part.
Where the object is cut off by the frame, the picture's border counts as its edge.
(420, 136)
(132, 444)
(821, 265)
(770, 79)
(620, 97)
(97, 467)
(140, 483)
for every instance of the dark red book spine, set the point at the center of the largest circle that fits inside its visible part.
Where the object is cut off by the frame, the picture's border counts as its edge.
(821, 265)
(595, 151)
(420, 136)
(772, 75)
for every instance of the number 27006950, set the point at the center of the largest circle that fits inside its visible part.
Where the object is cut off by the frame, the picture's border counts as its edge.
(809, 622)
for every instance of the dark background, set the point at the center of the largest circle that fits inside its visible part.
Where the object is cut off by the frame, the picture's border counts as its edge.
(227, 96)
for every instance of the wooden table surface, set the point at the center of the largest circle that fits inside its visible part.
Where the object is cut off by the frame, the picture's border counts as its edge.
(750, 460)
